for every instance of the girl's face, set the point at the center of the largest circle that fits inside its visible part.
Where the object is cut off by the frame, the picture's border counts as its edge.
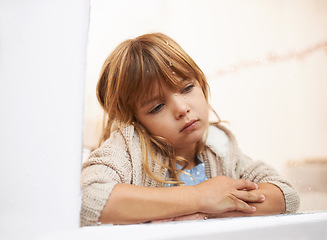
(180, 116)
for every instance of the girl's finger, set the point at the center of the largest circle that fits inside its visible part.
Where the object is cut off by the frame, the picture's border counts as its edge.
(244, 207)
(247, 196)
(242, 184)
(239, 205)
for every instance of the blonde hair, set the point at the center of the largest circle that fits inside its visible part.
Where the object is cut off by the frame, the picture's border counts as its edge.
(127, 78)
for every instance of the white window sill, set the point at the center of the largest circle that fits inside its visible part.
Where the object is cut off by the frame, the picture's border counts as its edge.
(292, 226)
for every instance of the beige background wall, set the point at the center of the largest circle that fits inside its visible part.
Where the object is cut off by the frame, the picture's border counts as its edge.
(256, 54)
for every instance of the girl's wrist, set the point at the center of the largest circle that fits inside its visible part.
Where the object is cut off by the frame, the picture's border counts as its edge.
(195, 199)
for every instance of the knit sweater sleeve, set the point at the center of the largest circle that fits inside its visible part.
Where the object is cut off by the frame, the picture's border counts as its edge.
(108, 165)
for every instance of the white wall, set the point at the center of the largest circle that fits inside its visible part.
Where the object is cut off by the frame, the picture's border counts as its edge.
(277, 109)
(42, 71)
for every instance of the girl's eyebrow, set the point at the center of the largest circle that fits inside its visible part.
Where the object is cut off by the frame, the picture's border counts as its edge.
(148, 101)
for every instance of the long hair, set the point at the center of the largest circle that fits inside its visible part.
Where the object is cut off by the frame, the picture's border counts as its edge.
(127, 78)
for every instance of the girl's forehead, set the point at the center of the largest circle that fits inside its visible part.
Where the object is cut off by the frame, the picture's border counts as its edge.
(154, 90)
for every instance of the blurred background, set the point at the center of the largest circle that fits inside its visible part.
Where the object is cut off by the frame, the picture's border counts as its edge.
(266, 64)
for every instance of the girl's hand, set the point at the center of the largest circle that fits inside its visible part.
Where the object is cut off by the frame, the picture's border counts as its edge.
(224, 194)
(274, 203)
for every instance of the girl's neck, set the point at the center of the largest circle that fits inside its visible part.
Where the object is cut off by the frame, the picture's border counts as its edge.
(189, 155)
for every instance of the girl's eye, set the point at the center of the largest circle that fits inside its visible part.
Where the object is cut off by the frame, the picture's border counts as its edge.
(188, 88)
(157, 108)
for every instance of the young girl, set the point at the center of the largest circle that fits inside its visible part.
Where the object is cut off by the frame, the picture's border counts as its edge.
(160, 159)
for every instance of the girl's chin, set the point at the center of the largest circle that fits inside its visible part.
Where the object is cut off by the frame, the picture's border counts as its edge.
(189, 142)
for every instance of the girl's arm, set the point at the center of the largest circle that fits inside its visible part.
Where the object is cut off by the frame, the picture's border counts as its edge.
(274, 203)
(134, 204)
(274, 199)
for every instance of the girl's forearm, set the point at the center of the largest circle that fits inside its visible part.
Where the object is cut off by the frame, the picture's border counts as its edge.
(134, 204)
(274, 200)
(129, 204)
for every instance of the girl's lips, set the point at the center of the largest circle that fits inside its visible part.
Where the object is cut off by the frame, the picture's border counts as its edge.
(189, 126)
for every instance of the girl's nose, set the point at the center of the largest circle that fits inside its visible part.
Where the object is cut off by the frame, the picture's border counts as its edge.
(181, 108)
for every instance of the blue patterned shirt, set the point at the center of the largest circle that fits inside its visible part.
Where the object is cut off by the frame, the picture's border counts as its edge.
(191, 176)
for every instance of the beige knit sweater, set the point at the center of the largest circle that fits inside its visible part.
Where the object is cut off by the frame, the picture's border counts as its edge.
(118, 160)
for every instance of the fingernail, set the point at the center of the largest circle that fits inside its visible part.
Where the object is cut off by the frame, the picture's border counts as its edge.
(262, 197)
(254, 209)
(256, 186)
